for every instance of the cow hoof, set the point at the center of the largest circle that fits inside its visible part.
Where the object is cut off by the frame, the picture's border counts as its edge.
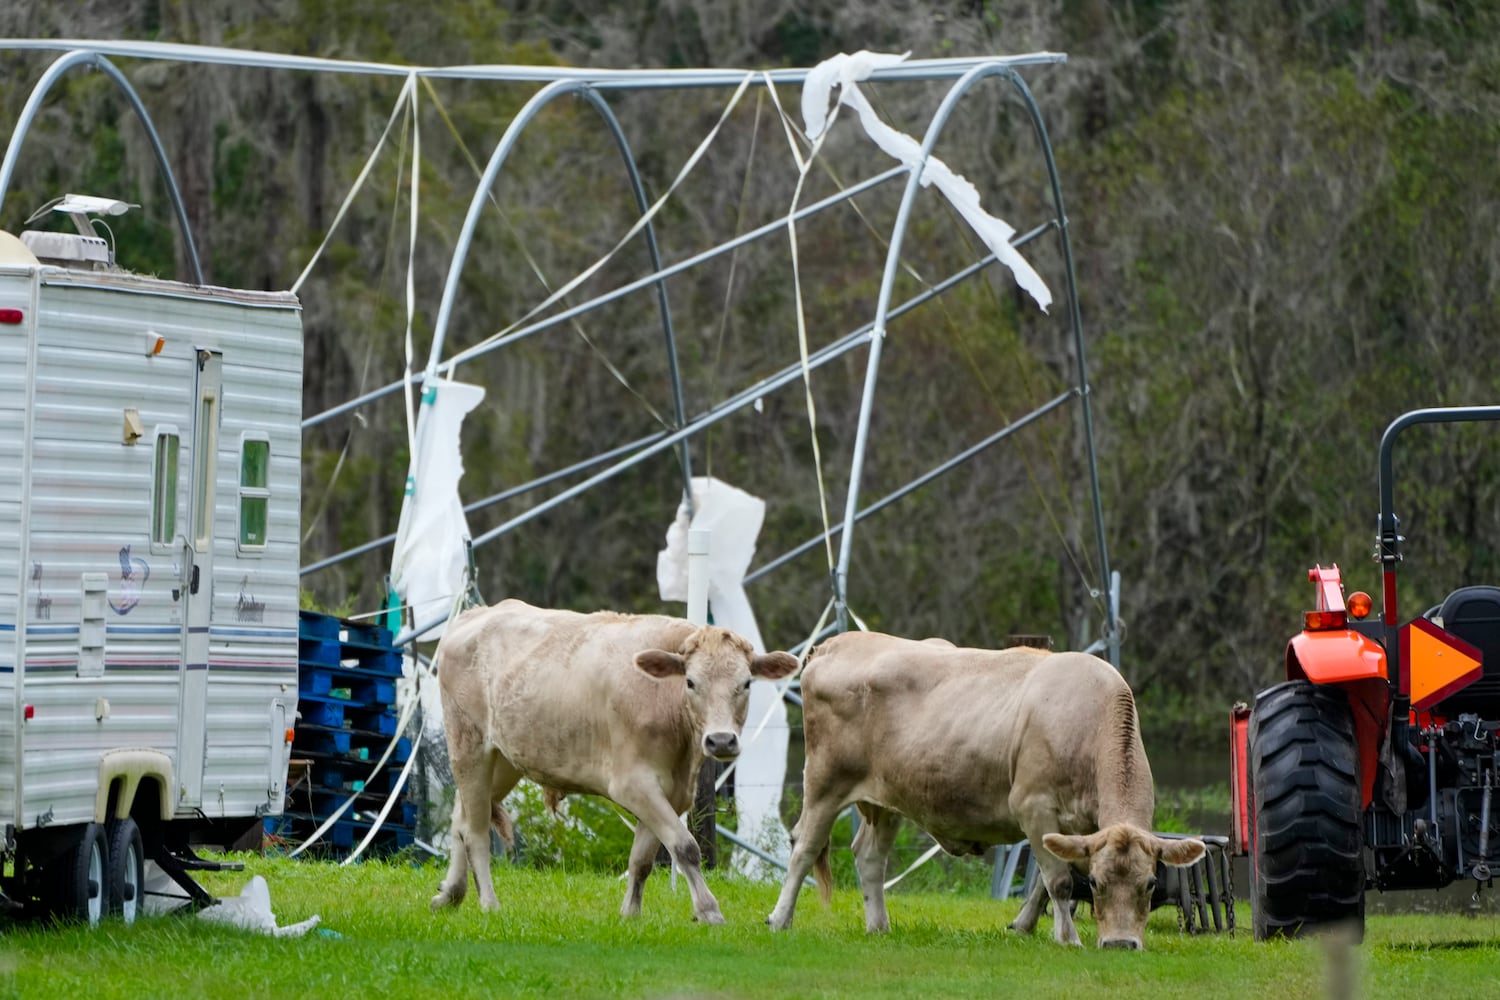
(714, 917)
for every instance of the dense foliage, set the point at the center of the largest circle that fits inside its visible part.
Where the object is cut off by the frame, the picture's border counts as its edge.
(1283, 215)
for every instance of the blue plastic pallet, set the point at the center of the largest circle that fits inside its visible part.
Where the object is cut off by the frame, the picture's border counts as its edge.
(377, 690)
(343, 835)
(346, 699)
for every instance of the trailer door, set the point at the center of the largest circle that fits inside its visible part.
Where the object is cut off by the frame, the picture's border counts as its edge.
(192, 732)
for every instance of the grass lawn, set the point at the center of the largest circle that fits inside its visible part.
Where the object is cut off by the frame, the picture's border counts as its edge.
(559, 934)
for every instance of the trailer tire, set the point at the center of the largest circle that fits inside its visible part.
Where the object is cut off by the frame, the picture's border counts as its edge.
(76, 880)
(127, 869)
(1307, 871)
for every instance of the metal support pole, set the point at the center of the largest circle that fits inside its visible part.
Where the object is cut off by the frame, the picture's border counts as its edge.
(33, 105)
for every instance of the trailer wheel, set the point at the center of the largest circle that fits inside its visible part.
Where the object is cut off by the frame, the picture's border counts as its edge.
(127, 869)
(1306, 839)
(76, 880)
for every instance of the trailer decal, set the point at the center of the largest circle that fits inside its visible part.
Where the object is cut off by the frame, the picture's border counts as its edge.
(134, 572)
(43, 604)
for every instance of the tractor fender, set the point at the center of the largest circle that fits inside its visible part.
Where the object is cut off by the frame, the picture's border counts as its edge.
(1334, 657)
(1357, 664)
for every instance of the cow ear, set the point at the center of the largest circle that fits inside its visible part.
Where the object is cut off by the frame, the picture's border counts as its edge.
(660, 663)
(1180, 853)
(1066, 847)
(773, 666)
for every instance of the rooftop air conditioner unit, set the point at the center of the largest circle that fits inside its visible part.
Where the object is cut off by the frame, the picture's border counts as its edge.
(68, 249)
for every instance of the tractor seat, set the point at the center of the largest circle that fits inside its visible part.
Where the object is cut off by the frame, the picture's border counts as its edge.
(1473, 614)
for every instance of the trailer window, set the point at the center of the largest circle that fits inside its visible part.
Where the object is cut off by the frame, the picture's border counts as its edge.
(255, 493)
(164, 488)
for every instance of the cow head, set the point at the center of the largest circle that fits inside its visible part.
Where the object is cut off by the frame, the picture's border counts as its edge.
(717, 666)
(1121, 862)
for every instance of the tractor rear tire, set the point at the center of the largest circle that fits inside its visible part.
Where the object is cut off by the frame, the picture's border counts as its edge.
(1307, 871)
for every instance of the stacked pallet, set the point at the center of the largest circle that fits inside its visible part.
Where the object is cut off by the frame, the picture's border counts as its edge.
(346, 720)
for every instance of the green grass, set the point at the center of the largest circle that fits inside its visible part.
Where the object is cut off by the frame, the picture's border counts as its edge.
(558, 933)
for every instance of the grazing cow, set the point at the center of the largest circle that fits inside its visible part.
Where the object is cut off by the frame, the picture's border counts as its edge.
(625, 706)
(980, 747)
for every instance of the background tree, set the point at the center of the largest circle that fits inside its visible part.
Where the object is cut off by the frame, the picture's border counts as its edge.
(1283, 214)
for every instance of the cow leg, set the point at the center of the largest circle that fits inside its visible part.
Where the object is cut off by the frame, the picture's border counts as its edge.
(1058, 877)
(455, 884)
(642, 860)
(482, 776)
(809, 838)
(480, 797)
(645, 799)
(469, 757)
(872, 849)
(1033, 908)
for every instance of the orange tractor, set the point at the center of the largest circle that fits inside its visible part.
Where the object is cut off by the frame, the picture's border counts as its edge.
(1373, 765)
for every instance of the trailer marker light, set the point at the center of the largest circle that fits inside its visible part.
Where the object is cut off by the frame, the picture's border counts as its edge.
(153, 343)
(1322, 621)
(1360, 604)
(11, 317)
(290, 735)
(29, 712)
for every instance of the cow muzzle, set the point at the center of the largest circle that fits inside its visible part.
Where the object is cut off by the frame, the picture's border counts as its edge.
(721, 746)
(1125, 943)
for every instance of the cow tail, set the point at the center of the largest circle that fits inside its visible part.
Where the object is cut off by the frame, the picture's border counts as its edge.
(823, 874)
(500, 820)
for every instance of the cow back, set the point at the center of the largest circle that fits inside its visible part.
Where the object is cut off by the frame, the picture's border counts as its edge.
(970, 742)
(558, 692)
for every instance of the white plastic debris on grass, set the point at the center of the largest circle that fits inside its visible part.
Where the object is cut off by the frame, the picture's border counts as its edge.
(250, 910)
(428, 566)
(733, 517)
(844, 71)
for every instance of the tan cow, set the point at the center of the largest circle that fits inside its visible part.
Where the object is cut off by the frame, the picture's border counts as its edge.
(625, 706)
(980, 747)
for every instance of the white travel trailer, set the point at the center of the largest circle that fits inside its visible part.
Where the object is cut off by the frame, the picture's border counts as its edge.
(150, 452)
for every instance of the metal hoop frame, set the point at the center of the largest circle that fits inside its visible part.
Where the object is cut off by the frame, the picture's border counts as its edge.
(588, 86)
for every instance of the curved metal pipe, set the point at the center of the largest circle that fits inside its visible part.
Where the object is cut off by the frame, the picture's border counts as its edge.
(684, 456)
(877, 335)
(83, 57)
(1075, 319)
(547, 322)
(946, 68)
(934, 130)
(1388, 540)
(502, 150)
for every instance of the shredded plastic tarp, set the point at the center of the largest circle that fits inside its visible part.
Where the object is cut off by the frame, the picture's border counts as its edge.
(844, 71)
(250, 910)
(428, 566)
(733, 517)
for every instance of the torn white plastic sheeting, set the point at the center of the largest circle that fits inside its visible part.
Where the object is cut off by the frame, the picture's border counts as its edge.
(251, 909)
(427, 568)
(734, 517)
(845, 71)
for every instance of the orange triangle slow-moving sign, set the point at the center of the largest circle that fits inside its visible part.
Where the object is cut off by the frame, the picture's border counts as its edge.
(1435, 663)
